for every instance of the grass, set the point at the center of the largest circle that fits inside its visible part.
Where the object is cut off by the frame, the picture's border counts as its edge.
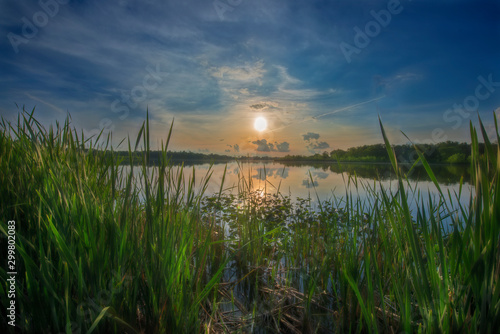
(101, 248)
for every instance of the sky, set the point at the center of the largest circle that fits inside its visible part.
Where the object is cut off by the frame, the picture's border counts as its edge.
(320, 73)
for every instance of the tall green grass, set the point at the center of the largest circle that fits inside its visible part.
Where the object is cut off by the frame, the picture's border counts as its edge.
(103, 248)
(93, 257)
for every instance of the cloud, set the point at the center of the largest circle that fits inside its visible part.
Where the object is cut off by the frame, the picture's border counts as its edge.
(45, 102)
(283, 147)
(246, 73)
(265, 106)
(211, 68)
(235, 147)
(258, 106)
(227, 151)
(389, 84)
(320, 145)
(264, 146)
(313, 143)
(310, 135)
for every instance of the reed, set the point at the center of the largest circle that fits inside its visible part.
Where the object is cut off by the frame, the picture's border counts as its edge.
(103, 247)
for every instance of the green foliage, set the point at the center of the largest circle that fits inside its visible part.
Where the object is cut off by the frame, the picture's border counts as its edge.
(98, 251)
(103, 248)
(457, 158)
(177, 157)
(446, 152)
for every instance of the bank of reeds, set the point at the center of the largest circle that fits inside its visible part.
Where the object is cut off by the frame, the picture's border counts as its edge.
(102, 250)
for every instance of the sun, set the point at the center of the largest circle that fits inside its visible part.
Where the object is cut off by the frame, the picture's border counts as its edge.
(260, 124)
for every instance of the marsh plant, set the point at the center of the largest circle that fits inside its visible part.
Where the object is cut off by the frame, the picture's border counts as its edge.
(100, 249)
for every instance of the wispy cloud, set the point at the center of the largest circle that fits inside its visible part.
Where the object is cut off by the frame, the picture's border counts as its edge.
(271, 58)
(248, 73)
(45, 102)
(265, 106)
(347, 108)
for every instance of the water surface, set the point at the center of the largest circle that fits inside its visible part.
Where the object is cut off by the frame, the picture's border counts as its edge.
(330, 182)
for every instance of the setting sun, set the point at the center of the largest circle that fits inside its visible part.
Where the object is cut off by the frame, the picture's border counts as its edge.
(260, 124)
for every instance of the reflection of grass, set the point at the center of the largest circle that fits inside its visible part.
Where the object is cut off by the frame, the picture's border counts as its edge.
(91, 256)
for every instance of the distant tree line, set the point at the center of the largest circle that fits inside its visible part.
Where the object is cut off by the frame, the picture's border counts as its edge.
(445, 152)
(187, 157)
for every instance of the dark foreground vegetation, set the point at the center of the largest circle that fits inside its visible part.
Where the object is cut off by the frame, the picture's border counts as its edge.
(99, 250)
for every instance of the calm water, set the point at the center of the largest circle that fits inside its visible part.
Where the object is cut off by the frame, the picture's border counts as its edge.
(325, 181)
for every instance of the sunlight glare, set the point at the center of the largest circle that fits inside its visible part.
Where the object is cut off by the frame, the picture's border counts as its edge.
(260, 124)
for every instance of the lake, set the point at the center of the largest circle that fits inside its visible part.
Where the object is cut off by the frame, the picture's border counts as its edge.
(325, 181)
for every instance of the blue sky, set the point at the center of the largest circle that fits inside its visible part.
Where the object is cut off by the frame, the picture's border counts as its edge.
(320, 72)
